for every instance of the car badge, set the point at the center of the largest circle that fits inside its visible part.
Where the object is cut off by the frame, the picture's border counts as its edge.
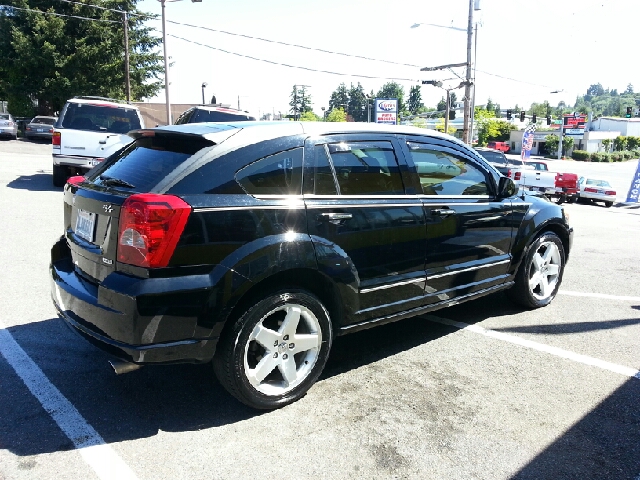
(107, 208)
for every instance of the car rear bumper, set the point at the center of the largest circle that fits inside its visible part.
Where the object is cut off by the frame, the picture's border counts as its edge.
(84, 163)
(598, 197)
(140, 328)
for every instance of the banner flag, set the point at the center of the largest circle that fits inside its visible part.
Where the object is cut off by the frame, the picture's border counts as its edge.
(634, 190)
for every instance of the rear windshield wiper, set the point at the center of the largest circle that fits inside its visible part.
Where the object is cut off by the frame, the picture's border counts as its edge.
(115, 182)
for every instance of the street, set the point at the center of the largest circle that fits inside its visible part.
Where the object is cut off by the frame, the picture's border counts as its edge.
(482, 390)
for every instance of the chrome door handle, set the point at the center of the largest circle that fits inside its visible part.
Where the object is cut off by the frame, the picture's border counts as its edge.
(443, 211)
(336, 216)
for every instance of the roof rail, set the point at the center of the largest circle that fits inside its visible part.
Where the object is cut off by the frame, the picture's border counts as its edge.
(91, 97)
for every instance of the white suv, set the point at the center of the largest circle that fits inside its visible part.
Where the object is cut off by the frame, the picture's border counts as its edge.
(88, 130)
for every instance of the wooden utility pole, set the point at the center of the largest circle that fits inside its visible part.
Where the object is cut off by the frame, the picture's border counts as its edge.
(125, 24)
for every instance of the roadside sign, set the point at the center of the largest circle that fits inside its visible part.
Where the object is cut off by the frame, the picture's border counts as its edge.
(386, 110)
(634, 190)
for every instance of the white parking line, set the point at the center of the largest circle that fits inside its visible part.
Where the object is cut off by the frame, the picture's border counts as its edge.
(599, 295)
(541, 347)
(94, 450)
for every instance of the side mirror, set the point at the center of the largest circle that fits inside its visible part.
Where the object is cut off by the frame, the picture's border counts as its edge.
(506, 188)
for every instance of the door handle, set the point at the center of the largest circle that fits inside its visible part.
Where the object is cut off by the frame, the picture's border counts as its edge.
(443, 211)
(336, 216)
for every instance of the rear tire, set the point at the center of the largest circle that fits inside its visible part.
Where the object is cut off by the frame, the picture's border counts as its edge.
(59, 175)
(540, 273)
(276, 350)
(608, 204)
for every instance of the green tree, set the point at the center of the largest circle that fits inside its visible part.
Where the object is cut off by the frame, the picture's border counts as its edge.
(629, 88)
(337, 115)
(47, 59)
(339, 98)
(490, 106)
(415, 100)
(300, 101)
(567, 144)
(606, 143)
(357, 106)
(442, 105)
(440, 127)
(551, 144)
(620, 143)
(632, 143)
(309, 116)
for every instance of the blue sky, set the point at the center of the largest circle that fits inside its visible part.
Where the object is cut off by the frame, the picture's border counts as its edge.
(525, 49)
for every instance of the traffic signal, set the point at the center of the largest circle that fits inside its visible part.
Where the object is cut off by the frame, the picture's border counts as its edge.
(629, 112)
(508, 114)
(452, 114)
(522, 114)
(548, 120)
(533, 118)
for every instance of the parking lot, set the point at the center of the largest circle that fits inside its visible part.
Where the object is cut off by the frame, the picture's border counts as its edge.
(483, 390)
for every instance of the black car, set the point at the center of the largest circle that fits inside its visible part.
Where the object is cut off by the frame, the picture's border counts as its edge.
(253, 244)
(213, 113)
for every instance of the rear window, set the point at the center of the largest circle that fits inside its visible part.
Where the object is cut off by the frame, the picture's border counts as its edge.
(99, 118)
(200, 116)
(493, 156)
(4, 117)
(44, 121)
(147, 161)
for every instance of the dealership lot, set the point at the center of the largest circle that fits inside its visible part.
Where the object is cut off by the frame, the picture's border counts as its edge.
(481, 390)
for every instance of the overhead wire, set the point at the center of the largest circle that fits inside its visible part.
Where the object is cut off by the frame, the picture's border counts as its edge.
(251, 37)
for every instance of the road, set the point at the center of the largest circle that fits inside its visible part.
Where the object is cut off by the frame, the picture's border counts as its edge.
(483, 390)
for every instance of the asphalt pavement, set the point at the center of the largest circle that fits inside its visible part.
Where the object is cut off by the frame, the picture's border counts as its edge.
(483, 390)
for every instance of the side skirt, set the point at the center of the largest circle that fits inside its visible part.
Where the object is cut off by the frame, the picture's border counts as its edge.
(420, 310)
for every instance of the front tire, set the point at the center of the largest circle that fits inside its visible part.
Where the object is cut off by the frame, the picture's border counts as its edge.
(276, 350)
(540, 273)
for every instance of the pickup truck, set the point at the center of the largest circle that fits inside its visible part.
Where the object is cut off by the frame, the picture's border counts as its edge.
(502, 146)
(514, 169)
(554, 185)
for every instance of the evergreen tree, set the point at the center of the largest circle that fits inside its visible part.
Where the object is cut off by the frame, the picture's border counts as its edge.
(48, 59)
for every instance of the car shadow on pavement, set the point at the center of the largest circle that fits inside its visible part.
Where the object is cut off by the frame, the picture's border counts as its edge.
(605, 443)
(39, 182)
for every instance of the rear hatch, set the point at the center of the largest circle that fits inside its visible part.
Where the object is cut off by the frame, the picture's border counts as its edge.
(117, 219)
(95, 130)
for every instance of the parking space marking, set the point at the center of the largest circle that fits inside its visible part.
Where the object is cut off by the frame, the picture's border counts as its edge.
(541, 347)
(104, 461)
(599, 295)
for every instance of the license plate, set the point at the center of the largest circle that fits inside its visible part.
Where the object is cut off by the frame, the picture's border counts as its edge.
(85, 225)
(40, 130)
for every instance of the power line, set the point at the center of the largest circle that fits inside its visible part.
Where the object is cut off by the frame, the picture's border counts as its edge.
(60, 14)
(293, 66)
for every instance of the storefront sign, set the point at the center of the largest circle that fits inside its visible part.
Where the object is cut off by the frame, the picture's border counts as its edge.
(386, 110)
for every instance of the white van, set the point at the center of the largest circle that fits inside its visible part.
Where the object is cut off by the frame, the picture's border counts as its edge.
(88, 130)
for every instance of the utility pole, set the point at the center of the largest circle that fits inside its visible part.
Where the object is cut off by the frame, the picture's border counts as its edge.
(446, 112)
(166, 66)
(467, 88)
(125, 24)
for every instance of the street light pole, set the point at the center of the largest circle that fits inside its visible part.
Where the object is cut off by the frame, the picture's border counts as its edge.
(166, 65)
(204, 84)
(467, 88)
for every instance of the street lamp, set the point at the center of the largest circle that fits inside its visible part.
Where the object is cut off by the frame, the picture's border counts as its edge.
(204, 84)
(560, 131)
(166, 65)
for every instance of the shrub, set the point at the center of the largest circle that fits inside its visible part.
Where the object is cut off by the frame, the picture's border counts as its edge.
(599, 157)
(580, 155)
(616, 157)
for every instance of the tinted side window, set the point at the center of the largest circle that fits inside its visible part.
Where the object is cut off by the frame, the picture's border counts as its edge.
(442, 173)
(366, 168)
(279, 174)
(323, 182)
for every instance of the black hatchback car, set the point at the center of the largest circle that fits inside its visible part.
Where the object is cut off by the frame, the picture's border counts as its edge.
(253, 245)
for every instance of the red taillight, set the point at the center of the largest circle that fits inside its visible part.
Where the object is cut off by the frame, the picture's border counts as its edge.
(591, 190)
(509, 172)
(75, 180)
(609, 192)
(55, 139)
(150, 227)
(518, 175)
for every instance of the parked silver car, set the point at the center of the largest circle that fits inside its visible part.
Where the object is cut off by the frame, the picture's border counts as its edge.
(596, 190)
(8, 126)
(40, 127)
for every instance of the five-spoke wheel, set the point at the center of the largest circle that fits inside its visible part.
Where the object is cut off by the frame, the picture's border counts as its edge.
(540, 272)
(276, 350)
